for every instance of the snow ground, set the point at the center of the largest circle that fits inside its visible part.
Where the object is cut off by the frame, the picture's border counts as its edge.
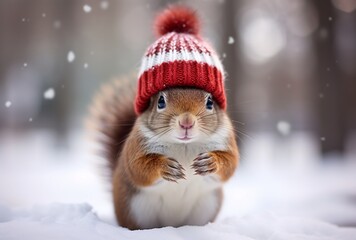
(71, 221)
(46, 193)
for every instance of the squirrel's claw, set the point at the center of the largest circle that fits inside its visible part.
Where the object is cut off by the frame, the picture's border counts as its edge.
(204, 164)
(173, 171)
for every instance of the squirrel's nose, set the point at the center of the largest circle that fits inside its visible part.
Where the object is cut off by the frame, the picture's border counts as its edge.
(186, 121)
(186, 124)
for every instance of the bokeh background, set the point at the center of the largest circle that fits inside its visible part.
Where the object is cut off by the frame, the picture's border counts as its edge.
(291, 85)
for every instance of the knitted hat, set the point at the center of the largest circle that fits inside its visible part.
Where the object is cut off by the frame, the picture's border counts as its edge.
(179, 58)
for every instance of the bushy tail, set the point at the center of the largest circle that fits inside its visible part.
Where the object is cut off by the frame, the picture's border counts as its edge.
(112, 117)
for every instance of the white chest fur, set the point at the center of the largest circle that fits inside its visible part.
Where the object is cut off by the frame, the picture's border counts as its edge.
(193, 200)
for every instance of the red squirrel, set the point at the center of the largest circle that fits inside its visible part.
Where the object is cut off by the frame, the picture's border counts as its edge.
(171, 151)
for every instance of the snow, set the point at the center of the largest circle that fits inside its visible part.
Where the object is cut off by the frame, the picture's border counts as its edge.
(49, 94)
(25, 64)
(104, 5)
(79, 221)
(323, 33)
(70, 56)
(30, 119)
(262, 37)
(63, 194)
(87, 8)
(8, 104)
(57, 24)
(283, 127)
(231, 40)
(86, 65)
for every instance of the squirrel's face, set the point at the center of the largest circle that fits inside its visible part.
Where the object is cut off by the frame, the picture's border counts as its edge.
(183, 115)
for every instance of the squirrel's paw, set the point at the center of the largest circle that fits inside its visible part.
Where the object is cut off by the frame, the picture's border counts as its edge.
(172, 170)
(204, 164)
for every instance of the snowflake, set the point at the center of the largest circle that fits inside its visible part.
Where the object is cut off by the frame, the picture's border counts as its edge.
(8, 104)
(283, 127)
(70, 56)
(87, 8)
(49, 93)
(231, 40)
(104, 5)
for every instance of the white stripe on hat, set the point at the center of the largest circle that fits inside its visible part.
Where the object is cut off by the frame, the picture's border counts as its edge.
(189, 49)
(154, 60)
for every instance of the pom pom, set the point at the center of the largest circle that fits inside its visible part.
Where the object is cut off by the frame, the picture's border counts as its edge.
(177, 19)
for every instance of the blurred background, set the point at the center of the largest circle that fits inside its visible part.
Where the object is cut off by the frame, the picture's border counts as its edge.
(291, 84)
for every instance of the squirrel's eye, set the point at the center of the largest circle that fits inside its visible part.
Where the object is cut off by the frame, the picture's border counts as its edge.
(209, 103)
(161, 104)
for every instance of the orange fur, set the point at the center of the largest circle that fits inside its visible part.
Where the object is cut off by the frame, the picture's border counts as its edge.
(226, 161)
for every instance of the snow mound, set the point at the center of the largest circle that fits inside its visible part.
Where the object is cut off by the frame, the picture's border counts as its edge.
(78, 221)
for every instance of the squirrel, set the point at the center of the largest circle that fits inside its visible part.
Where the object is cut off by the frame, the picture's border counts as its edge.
(170, 152)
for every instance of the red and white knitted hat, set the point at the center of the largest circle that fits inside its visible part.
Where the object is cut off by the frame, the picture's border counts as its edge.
(179, 58)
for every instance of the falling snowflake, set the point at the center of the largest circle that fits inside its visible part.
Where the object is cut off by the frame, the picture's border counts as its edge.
(323, 139)
(25, 64)
(70, 56)
(30, 119)
(8, 104)
(87, 8)
(43, 15)
(86, 65)
(323, 33)
(104, 5)
(330, 18)
(49, 93)
(283, 127)
(231, 40)
(57, 24)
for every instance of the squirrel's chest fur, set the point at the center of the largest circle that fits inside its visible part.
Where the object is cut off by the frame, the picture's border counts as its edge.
(189, 201)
